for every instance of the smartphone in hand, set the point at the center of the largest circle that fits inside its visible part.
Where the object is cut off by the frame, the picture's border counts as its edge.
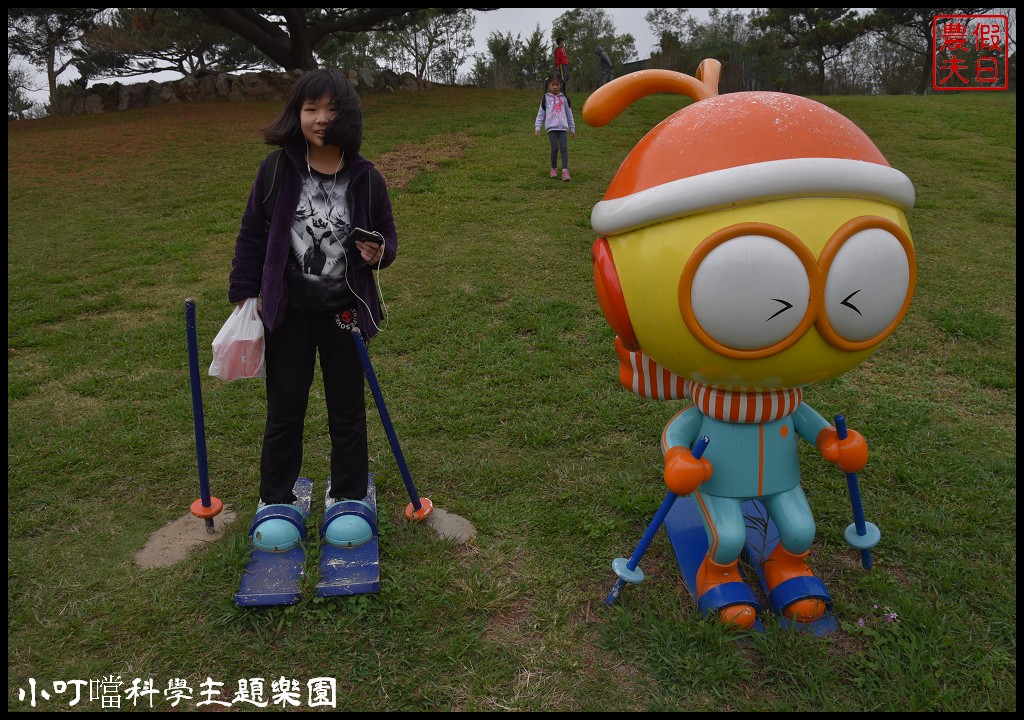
(358, 233)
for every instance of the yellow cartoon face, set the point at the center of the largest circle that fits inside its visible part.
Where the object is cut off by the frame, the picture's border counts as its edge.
(770, 295)
(750, 241)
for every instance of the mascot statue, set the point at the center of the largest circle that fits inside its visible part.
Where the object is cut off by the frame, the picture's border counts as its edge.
(751, 245)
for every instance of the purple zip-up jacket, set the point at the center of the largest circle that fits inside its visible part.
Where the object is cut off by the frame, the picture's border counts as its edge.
(244, 281)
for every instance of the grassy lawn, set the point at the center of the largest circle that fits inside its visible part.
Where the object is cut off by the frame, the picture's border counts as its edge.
(501, 381)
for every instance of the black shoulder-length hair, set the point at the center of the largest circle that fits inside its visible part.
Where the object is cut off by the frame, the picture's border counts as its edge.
(345, 131)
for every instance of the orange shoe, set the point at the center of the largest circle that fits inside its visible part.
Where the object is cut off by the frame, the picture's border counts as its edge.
(711, 575)
(782, 565)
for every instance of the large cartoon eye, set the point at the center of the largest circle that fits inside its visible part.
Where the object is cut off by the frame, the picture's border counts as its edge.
(749, 295)
(869, 279)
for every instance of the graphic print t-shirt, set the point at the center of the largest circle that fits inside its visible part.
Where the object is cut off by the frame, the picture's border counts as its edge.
(318, 264)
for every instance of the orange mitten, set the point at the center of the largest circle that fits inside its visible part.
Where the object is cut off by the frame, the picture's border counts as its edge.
(683, 472)
(850, 454)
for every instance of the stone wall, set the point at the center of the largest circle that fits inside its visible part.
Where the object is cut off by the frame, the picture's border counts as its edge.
(222, 87)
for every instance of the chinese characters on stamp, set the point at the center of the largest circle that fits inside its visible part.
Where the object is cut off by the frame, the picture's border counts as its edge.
(970, 52)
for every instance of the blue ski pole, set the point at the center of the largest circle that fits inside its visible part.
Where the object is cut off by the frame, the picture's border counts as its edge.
(628, 571)
(206, 507)
(860, 534)
(419, 508)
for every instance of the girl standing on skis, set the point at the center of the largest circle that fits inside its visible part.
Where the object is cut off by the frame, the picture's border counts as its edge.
(314, 277)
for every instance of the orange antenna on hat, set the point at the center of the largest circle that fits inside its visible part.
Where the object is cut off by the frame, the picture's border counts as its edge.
(605, 104)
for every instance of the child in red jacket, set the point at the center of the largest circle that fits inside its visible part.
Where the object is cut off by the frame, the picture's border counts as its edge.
(562, 62)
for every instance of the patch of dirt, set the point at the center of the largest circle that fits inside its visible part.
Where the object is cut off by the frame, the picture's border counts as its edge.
(509, 624)
(174, 541)
(450, 526)
(402, 164)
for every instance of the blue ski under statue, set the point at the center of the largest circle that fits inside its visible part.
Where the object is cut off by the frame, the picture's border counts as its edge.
(689, 541)
(762, 537)
(272, 576)
(350, 570)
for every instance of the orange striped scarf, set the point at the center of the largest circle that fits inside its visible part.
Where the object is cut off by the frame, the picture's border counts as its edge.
(648, 379)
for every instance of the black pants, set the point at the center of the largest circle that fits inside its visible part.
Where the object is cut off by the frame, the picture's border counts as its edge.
(291, 352)
(559, 140)
(563, 72)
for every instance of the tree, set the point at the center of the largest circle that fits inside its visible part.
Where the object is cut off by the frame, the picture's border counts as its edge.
(892, 69)
(511, 62)
(140, 41)
(500, 67)
(456, 42)
(584, 29)
(910, 29)
(668, 54)
(350, 50)
(670, 27)
(435, 29)
(46, 38)
(860, 71)
(728, 36)
(291, 36)
(535, 60)
(19, 105)
(824, 33)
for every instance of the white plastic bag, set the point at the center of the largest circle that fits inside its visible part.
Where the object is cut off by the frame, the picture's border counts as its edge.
(238, 347)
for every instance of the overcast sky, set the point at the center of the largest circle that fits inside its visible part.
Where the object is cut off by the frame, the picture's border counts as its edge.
(518, 21)
(523, 21)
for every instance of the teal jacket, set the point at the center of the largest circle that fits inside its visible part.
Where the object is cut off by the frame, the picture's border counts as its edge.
(748, 460)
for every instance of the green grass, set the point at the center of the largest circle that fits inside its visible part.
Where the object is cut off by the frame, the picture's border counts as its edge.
(501, 381)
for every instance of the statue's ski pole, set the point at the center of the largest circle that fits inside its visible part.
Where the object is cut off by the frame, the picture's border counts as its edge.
(860, 534)
(419, 508)
(628, 571)
(206, 507)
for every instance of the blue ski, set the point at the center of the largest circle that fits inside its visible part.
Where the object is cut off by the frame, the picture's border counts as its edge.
(272, 577)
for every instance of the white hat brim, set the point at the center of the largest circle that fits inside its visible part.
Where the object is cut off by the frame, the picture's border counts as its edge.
(765, 181)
